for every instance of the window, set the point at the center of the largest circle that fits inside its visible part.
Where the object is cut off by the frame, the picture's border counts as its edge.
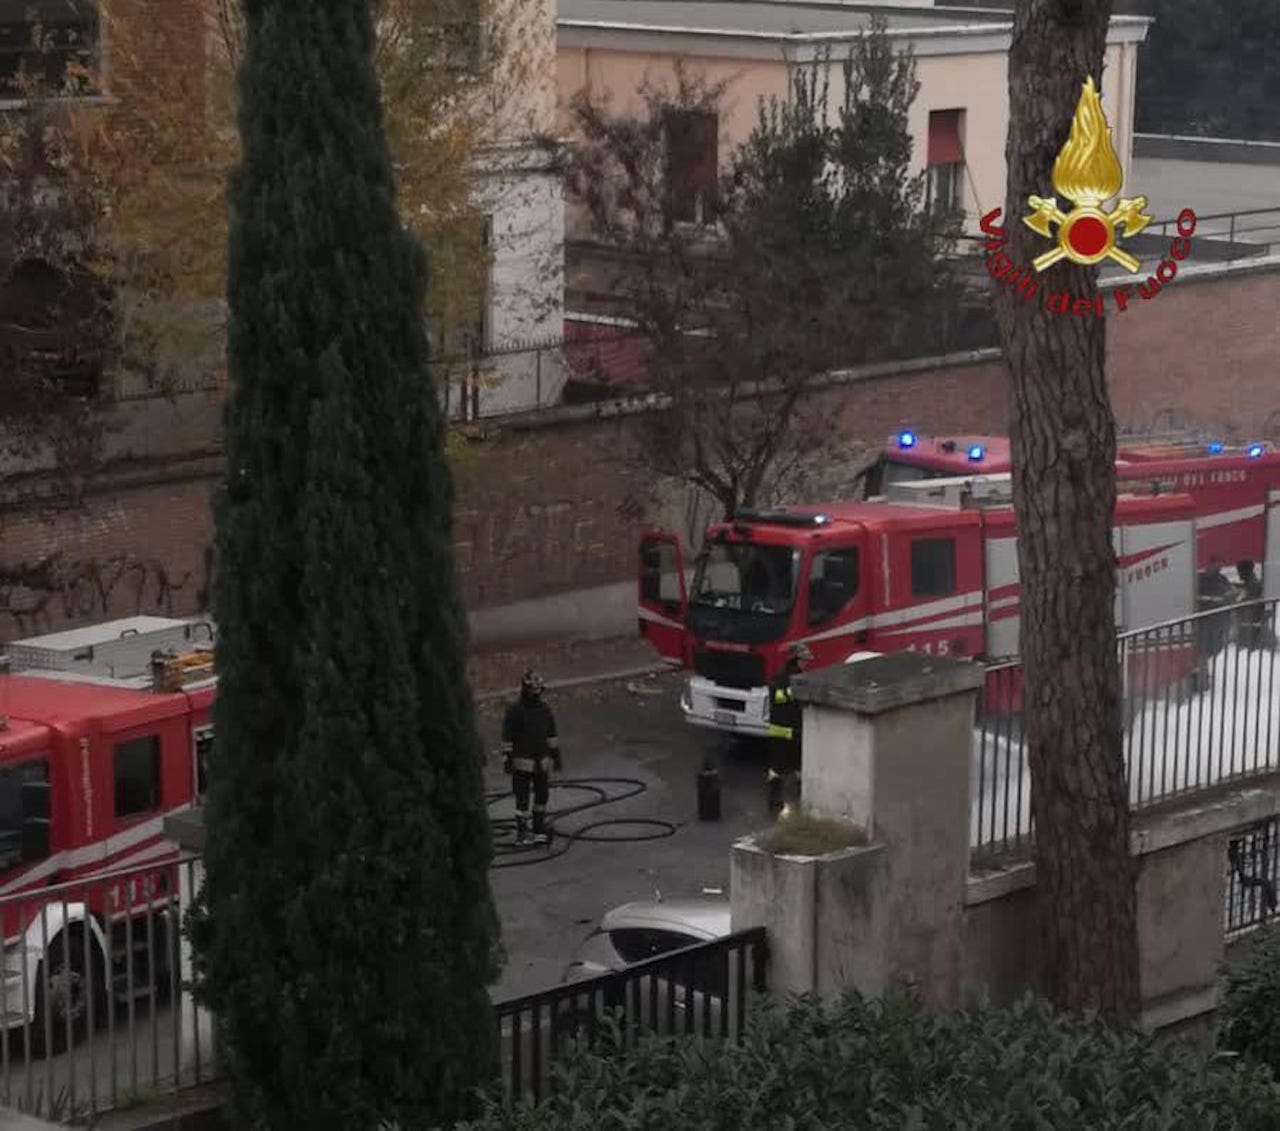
(60, 58)
(933, 567)
(203, 738)
(19, 807)
(635, 944)
(747, 577)
(49, 324)
(945, 181)
(137, 776)
(661, 574)
(693, 162)
(833, 583)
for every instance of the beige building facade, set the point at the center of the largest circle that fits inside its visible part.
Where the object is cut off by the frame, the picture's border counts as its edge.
(959, 119)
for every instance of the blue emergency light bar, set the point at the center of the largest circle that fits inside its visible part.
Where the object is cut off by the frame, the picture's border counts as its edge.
(976, 453)
(1255, 450)
(1216, 447)
(906, 439)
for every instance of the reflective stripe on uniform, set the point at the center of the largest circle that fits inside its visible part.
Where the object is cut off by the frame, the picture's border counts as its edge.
(782, 695)
(776, 731)
(525, 765)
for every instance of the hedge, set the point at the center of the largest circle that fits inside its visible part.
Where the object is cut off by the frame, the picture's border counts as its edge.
(889, 1066)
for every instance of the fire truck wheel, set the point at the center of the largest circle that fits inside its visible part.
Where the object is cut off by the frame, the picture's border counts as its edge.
(65, 991)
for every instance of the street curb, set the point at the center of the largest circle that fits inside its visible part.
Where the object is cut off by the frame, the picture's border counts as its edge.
(583, 680)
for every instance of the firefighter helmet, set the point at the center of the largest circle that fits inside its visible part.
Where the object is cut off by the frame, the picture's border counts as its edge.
(532, 685)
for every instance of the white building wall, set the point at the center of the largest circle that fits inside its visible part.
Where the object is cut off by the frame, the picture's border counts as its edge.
(526, 288)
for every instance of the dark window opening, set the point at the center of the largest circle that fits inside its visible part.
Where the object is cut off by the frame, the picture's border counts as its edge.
(17, 811)
(933, 567)
(137, 776)
(945, 160)
(833, 583)
(51, 44)
(52, 324)
(693, 163)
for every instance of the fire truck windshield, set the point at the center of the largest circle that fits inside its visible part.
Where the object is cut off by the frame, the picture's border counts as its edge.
(748, 578)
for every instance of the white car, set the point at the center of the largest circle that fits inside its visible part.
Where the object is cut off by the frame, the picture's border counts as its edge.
(689, 994)
(635, 932)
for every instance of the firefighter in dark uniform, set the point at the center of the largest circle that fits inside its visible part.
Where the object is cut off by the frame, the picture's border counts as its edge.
(1252, 618)
(529, 743)
(784, 712)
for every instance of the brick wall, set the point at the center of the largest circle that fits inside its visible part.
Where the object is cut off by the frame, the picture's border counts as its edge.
(555, 508)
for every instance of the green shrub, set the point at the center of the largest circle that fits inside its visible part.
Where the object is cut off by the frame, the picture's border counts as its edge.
(890, 1067)
(1251, 1005)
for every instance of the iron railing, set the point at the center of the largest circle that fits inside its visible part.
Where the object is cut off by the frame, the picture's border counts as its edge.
(1201, 709)
(703, 990)
(1253, 859)
(1259, 227)
(95, 1012)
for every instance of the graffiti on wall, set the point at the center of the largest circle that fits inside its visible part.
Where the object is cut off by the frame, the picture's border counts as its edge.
(45, 595)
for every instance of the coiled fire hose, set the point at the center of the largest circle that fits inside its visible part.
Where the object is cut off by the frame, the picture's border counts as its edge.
(510, 854)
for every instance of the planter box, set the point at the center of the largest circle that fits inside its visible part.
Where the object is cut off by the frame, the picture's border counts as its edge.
(826, 916)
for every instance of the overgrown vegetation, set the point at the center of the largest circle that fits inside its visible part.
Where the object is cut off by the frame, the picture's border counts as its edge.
(890, 1066)
(799, 832)
(1251, 1004)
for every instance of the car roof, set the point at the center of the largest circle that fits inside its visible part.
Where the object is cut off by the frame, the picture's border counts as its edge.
(707, 918)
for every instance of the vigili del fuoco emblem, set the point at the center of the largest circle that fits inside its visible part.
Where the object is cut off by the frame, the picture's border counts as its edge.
(1087, 172)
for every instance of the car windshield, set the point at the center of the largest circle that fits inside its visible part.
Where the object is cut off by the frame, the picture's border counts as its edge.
(747, 577)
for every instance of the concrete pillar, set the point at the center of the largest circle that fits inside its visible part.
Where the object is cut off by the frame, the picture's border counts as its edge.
(887, 745)
(825, 916)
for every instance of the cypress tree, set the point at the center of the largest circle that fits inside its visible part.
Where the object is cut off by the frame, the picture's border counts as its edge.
(346, 931)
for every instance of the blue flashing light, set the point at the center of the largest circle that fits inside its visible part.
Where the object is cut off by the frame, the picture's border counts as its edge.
(1215, 448)
(906, 439)
(976, 453)
(1255, 450)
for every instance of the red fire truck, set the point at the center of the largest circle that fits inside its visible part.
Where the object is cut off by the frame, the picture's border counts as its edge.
(103, 733)
(1234, 488)
(931, 566)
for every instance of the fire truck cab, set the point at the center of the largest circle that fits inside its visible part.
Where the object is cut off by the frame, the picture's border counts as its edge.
(932, 567)
(103, 733)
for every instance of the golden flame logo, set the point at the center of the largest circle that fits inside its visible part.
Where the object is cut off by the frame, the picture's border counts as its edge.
(1087, 172)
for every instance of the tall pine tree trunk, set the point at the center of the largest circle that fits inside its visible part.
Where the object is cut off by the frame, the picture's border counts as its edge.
(1064, 484)
(347, 931)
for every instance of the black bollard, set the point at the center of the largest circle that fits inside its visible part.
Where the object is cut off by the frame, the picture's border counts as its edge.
(708, 792)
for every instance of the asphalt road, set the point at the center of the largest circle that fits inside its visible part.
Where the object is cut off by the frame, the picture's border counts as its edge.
(631, 730)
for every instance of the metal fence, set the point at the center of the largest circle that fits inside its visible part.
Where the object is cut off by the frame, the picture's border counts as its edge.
(1201, 709)
(1253, 858)
(97, 1016)
(1257, 228)
(703, 990)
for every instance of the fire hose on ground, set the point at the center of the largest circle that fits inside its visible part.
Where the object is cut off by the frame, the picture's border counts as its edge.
(509, 853)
